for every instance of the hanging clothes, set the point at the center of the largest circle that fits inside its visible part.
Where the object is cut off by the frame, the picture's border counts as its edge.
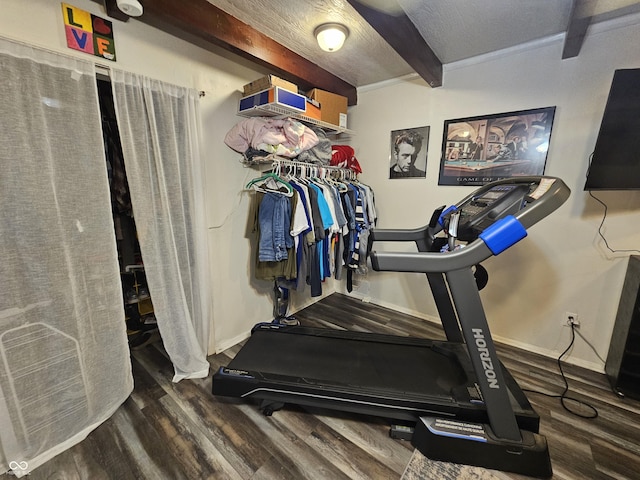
(274, 217)
(311, 226)
(271, 269)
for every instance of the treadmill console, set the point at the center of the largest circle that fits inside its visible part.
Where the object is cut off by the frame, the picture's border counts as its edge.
(485, 207)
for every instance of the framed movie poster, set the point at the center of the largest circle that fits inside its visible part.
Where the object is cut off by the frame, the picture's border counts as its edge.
(479, 150)
(408, 157)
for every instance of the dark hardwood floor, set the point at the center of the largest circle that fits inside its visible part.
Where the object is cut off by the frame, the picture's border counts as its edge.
(181, 431)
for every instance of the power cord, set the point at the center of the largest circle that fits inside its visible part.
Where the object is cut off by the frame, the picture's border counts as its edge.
(236, 206)
(604, 216)
(584, 339)
(563, 396)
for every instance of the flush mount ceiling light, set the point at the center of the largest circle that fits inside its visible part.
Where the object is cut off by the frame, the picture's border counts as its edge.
(331, 36)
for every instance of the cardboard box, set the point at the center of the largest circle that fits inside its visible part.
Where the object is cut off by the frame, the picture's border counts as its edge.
(267, 82)
(274, 96)
(313, 109)
(333, 108)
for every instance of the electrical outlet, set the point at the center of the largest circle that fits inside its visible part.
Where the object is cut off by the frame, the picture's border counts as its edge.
(570, 318)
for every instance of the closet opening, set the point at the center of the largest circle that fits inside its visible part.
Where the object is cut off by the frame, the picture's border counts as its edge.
(139, 314)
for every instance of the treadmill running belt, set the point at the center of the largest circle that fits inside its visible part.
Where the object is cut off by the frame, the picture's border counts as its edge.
(370, 365)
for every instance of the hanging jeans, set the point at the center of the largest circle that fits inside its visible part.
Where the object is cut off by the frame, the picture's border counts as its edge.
(274, 217)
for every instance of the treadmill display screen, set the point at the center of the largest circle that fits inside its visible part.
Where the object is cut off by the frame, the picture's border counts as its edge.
(487, 207)
(492, 195)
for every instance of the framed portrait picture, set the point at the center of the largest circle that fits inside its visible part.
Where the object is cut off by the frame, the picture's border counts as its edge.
(408, 157)
(479, 150)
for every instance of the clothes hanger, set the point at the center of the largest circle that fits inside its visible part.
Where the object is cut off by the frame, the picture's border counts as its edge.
(302, 176)
(314, 177)
(272, 183)
(340, 181)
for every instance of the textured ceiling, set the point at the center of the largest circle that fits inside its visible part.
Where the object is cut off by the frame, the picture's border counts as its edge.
(454, 29)
(365, 58)
(460, 29)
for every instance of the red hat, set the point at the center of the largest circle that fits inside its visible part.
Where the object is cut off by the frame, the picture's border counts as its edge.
(344, 156)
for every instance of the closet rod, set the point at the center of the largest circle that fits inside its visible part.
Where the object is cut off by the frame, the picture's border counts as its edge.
(280, 162)
(293, 163)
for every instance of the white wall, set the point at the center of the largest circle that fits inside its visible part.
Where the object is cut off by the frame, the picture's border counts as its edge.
(238, 301)
(562, 265)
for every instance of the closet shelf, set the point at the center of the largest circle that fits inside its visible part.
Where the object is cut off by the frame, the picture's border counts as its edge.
(280, 111)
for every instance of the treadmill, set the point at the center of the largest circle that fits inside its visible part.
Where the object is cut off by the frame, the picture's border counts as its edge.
(453, 398)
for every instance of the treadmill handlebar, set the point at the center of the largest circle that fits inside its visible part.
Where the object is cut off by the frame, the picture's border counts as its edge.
(431, 262)
(549, 194)
(398, 235)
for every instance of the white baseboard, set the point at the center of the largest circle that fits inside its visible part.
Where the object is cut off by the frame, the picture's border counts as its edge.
(232, 341)
(395, 307)
(294, 308)
(596, 367)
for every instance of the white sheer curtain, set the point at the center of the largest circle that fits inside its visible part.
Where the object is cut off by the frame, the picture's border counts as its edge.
(159, 130)
(64, 358)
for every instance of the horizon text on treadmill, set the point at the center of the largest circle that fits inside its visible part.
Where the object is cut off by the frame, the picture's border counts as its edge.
(487, 364)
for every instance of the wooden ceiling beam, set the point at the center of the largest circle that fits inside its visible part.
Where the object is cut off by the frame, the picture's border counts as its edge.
(205, 25)
(403, 36)
(579, 21)
(111, 7)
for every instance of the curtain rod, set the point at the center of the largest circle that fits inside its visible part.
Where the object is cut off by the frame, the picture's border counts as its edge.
(66, 54)
(107, 68)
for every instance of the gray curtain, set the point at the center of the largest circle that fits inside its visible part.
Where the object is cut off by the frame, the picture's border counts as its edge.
(64, 358)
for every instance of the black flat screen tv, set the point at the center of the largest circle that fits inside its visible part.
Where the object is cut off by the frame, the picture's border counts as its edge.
(615, 164)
